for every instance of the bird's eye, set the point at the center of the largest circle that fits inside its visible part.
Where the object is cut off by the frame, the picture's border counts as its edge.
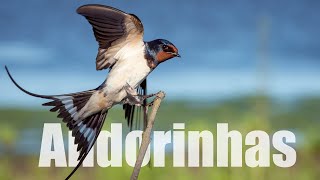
(165, 47)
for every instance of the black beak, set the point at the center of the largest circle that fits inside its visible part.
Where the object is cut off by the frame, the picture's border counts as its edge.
(177, 55)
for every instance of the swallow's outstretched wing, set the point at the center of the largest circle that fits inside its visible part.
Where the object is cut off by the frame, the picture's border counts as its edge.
(113, 29)
(85, 131)
(133, 112)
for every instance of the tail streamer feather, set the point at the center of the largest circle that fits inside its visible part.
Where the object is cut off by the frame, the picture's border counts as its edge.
(85, 131)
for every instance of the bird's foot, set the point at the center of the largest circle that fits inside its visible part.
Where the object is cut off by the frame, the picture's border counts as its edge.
(133, 98)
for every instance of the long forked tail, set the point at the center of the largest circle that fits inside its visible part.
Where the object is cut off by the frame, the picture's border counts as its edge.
(86, 130)
(67, 105)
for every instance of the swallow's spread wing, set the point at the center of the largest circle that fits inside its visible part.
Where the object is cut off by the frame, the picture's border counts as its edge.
(134, 112)
(113, 29)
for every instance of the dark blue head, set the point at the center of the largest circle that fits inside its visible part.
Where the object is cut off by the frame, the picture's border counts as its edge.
(162, 50)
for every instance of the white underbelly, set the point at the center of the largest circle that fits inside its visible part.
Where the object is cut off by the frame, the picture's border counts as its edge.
(132, 71)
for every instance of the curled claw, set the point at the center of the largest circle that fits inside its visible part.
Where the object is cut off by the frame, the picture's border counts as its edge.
(152, 95)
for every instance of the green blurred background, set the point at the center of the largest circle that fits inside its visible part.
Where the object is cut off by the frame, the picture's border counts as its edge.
(252, 64)
(20, 128)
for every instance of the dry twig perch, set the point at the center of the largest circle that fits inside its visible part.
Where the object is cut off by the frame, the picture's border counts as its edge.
(146, 136)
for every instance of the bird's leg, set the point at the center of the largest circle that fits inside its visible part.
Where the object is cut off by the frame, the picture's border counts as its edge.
(133, 98)
(150, 103)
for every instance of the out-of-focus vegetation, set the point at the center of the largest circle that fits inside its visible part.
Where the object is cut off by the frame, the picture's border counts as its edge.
(301, 116)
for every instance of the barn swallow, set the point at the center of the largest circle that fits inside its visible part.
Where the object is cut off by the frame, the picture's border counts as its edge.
(130, 60)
